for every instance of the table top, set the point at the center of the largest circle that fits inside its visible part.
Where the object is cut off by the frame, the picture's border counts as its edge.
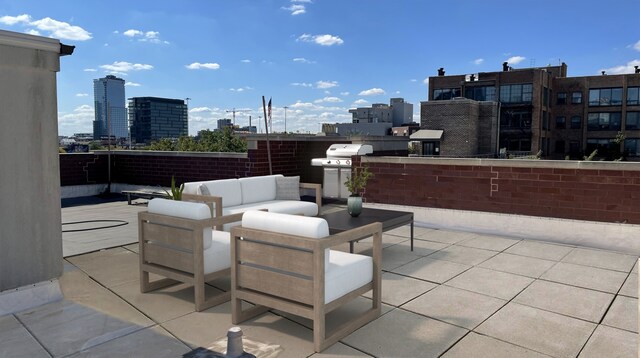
(340, 220)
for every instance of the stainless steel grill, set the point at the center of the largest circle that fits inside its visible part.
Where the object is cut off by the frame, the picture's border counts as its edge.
(337, 167)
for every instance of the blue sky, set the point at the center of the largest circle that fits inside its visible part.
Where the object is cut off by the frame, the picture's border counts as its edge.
(318, 57)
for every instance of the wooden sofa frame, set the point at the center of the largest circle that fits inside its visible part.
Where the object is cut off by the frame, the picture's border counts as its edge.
(258, 259)
(179, 255)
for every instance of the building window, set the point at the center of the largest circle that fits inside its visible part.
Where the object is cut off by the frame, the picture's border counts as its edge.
(632, 121)
(633, 96)
(632, 147)
(604, 121)
(576, 122)
(560, 123)
(605, 97)
(574, 147)
(545, 97)
(520, 93)
(515, 119)
(559, 146)
(562, 98)
(481, 93)
(576, 97)
(445, 93)
(545, 120)
(604, 146)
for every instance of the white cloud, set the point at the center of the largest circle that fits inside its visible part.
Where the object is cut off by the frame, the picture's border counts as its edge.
(299, 104)
(515, 60)
(12, 20)
(372, 92)
(627, 68)
(200, 109)
(478, 61)
(360, 102)
(413, 80)
(636, 46)
(302, 84)
(132, 84)
(296, 9)
(198, 66)
(344, 93)
(151, 34)
(323, 40)
(245, 61)
(326, 84)
(54, 28)
(240, 89)
(302, 60)
(124, 67)
(328, 99)
(82, 94)
(81, 120)
(133, 33)
(302, 1)
(90, 70)
(426, 81)
(61, 30)
(33, 32)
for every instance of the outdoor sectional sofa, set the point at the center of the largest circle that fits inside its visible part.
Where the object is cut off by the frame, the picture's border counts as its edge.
(273, 193)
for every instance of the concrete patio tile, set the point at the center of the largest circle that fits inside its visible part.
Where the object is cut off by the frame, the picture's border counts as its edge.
(623, 314)
(585, 276)
(540, 250)
(541, 331)
(89, 315)
(630, 287)
(474, 345)
(16, 341)
(405, 231)
(110, 267)
(419, 336)
(491, 283)
(387, 240)
(397, 290)
(447, 236)
(164, 304)
(568, 300)
(463, 255)
(519, 265)
(438, 271)
(611, 342)
(489, 242)
(601, 259)
(395, 256)
(452, 305)
(635, 267)
(158, 343)
(339, 350)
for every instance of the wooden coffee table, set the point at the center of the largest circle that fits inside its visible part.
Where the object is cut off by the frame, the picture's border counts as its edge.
(340, 221)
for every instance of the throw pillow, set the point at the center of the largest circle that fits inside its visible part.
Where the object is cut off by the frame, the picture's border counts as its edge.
(288, 188)
(204, 190)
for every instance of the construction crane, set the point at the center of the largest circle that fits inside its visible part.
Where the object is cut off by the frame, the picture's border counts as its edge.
(233, 112)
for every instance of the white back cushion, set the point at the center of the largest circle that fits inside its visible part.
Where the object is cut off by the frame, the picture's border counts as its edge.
(228, 189)
(185, 210)
(257, 189)
(192, 187)
(315, 228)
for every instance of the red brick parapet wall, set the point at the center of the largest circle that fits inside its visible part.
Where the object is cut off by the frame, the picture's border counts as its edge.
(595, 191)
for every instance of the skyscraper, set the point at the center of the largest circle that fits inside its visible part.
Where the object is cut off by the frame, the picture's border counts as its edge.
(110, 111)
(154, 118)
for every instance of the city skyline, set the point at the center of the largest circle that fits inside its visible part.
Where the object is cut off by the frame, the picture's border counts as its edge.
(318, 58)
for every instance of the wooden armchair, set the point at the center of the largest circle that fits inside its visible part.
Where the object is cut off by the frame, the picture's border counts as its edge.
(283, 262)
(177, 241)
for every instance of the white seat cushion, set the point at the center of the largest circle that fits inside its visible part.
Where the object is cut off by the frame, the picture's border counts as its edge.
(257, 189)
(185, 210)
(229, 189)
(218, 256)
(345, 273)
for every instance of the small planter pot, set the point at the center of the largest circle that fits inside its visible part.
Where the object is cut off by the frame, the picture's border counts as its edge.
(354, 205)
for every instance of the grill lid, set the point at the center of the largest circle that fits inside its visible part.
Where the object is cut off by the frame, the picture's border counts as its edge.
(348, 150)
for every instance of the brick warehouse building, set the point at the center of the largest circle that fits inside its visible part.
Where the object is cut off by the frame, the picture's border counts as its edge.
(537, 109)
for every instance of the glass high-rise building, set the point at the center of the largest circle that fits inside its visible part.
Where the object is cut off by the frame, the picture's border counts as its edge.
(154, 118)
(110, 111)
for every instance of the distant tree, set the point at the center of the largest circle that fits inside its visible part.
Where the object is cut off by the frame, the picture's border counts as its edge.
(95, 145)
(188, 144)
(163, 144)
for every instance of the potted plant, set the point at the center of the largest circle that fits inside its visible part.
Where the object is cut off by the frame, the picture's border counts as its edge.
(356, 183)
(176, 192)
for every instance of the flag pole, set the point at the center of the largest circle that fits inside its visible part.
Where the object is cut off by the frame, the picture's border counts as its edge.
(266, 129)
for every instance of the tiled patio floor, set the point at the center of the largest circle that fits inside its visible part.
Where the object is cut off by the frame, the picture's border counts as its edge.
(457, 294)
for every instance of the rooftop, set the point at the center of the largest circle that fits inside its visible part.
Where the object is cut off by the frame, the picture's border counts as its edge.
(458, 294)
